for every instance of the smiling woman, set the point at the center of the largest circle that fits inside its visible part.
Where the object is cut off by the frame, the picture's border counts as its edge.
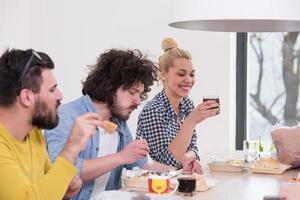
(168, 121)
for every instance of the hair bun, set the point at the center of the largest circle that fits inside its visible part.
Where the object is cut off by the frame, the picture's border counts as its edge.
(168, 43)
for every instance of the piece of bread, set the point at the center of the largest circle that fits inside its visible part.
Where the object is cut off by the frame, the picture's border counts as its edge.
(236, 163)
(110, 127)
(267, 163)
(200, 181)
(294, 180)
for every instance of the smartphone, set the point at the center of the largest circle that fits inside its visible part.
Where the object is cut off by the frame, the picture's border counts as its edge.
(272, 197)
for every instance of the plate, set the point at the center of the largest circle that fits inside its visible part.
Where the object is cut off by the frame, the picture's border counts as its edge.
(282, 168)
(125, 195)
(139, 184)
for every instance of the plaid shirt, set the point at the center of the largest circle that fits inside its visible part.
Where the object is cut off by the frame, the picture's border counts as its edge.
(158, 124)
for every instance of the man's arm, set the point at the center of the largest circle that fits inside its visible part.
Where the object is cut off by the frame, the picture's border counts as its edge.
(94, 168)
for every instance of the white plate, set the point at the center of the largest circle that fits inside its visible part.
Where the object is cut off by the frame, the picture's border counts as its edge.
(124, 195)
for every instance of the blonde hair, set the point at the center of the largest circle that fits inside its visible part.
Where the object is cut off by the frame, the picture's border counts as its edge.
(169, 45)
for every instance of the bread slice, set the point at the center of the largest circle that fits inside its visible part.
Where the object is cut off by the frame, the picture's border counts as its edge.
(110, 127)
(267, 163)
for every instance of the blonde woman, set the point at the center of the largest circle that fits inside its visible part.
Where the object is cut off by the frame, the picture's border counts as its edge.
(168, 121)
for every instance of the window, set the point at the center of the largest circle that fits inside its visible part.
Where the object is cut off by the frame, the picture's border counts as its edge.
(271, 74)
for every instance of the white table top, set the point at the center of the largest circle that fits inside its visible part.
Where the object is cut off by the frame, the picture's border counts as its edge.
(230, 185)
(244, 186)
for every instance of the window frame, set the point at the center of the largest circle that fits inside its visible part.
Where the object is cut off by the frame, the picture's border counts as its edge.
(241, 90)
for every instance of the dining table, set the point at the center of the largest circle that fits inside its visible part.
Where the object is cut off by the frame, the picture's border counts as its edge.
(243, 185)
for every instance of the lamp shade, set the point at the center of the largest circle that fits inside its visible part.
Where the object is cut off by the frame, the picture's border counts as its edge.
(236, 15)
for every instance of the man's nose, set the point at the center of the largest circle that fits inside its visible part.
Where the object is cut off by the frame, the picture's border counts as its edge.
(59, 95)
(137, 101)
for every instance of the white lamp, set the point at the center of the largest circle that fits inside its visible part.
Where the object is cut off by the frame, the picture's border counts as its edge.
(236, 15)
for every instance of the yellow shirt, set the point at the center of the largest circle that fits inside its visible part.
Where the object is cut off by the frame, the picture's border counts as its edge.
(26, 171)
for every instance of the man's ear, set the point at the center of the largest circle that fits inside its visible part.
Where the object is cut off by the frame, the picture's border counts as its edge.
(26, 97)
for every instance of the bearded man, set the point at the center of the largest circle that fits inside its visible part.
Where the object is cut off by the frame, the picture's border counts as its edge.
(29, 99)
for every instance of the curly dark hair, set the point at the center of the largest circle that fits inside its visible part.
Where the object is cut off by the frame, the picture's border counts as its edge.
(119, 68)
(12, 64)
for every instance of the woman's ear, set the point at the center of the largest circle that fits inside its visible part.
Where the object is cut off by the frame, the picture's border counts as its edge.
(26, 97)
(162, 75)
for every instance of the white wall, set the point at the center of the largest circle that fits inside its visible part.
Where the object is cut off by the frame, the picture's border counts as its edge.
(74, 33)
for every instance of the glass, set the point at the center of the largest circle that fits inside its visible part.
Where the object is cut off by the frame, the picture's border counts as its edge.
(186, 184)
(212, 98)
(250, 149)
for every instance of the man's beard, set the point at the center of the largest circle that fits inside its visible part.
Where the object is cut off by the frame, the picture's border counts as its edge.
(116, 111)
(43, 117)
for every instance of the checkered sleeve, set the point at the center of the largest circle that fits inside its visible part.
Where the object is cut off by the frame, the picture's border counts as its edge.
(193, 145)
(154, 128)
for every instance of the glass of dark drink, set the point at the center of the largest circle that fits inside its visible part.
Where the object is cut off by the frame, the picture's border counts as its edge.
(212, 98)
(186, 184)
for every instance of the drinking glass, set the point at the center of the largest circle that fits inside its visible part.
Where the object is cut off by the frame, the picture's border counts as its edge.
(250, 149)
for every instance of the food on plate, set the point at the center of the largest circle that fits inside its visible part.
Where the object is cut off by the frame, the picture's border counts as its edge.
(266, 163)
(201, 184)
(295, 180)
(137, 179)
(236, 163)
(110, 127)
(227, 166)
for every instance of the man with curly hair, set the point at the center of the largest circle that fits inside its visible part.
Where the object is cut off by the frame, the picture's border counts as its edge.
(115, 87)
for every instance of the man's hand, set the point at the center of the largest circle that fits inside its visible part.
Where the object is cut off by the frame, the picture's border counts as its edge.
(74, 187)
(84, 127)
(289, 191)
(134, 151)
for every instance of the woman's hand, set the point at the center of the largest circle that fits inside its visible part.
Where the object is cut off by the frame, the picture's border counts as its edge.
(190, 164)
(203, 111)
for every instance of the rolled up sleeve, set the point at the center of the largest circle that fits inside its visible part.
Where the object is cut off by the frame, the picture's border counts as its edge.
(57, 137)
